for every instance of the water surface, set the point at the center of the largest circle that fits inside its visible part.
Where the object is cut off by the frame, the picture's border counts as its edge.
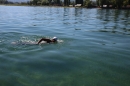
(93, 47)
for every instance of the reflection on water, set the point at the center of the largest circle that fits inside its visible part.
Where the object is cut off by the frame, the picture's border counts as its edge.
(120, 20)
(92, 50)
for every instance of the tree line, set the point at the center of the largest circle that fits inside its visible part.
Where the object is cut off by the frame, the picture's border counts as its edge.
(86, 3)
(3, 1)
(58, 2)
(113, 3)
(45, 2)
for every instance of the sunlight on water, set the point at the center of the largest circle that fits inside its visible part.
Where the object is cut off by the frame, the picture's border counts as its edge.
(92, 49)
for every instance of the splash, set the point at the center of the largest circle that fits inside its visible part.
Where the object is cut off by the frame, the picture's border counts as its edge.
(30, 41)
(27, 42)
(24, 41)
(60, 41)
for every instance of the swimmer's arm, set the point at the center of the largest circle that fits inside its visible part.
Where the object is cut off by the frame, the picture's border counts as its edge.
(40, 40)
(43, 39)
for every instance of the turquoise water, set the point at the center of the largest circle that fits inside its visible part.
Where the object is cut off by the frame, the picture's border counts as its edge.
(92, 50)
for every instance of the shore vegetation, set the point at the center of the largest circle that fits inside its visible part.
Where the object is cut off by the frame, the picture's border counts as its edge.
(119, 4)
(114, 4)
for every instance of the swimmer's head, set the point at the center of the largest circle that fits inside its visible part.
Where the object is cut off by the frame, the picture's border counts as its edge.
(55, 38)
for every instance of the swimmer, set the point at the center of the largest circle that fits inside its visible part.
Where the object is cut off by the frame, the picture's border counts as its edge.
(53, 40)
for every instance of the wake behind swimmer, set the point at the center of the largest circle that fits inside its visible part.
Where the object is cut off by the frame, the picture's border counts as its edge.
(41, 41)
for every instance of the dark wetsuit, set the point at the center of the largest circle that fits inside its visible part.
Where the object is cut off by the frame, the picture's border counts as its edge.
(47, 40)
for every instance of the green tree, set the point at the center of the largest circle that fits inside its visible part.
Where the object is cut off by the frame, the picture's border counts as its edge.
(3, 1)
(35, 2)
(115, 3)
(119, 3)
(100, 3)
(88, 3)
(44, 2)
(40, 2)
(66, 2)
(126, 2)
(57, 2)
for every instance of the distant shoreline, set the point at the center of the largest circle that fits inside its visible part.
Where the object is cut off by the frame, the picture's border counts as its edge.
(60, 6)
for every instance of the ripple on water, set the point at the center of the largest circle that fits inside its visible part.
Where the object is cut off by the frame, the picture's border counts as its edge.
(92, 49)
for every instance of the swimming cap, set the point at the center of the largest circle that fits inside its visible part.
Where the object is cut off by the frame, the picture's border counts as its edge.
(55, 38)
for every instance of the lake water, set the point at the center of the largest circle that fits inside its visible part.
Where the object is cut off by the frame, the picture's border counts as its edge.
(93, 46)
